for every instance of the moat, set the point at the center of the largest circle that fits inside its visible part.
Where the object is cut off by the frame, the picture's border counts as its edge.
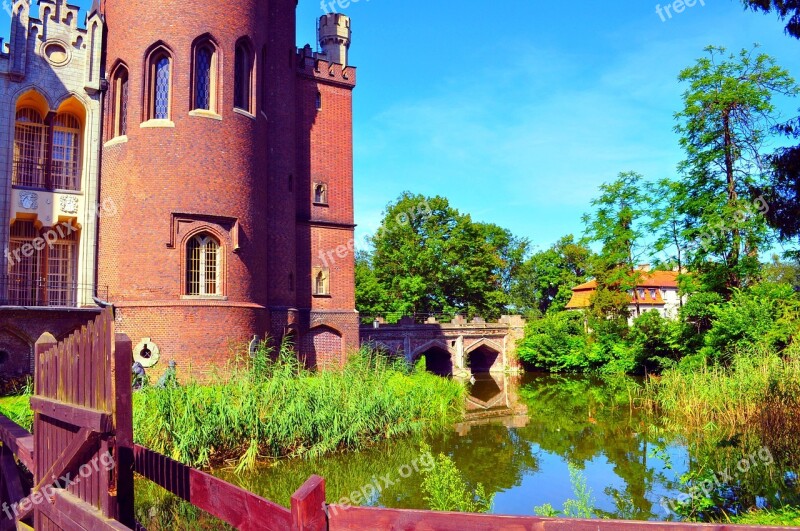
(518, 437)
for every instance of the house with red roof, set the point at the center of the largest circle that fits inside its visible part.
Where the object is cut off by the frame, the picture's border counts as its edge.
(657, 290)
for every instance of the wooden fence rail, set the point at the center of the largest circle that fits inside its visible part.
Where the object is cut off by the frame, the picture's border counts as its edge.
(83, 411)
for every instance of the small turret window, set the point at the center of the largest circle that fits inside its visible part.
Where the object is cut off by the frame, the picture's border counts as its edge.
(321, 281)
(320, 194)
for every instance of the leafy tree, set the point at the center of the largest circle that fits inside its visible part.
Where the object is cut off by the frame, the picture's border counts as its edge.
(544, 282)
(786, 9)
(727, 114)
(557, 342)
(371, 298)
(617, 224)
(430, 258)
(666, 223)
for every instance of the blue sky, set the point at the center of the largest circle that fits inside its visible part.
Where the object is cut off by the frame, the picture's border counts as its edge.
(517, 110)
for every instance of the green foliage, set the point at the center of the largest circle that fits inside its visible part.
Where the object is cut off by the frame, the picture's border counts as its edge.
(767, 315)
(18, 409)
(787, 10)
(545, 281)
(785, 516)
(277, 409)
(445, 488)
(727, 115)
(655, 342)
(556, 342)
(428, 258)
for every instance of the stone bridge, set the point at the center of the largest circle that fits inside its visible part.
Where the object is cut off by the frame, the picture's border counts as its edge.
(457, 348)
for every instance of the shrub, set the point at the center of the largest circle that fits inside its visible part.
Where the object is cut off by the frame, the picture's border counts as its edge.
(557, 342)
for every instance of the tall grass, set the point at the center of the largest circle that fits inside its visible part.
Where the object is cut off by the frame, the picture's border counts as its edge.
(275, 409)
(759, 390)
(18, 408)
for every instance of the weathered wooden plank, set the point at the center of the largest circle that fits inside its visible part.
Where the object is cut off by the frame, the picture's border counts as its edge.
(19, 441)
(345, 518)
(308, 506)
(234, 505)
(81, 417)
(123, 415)
(73, 453)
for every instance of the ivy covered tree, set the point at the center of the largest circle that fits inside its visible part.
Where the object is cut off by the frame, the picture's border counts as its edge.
(727, 115)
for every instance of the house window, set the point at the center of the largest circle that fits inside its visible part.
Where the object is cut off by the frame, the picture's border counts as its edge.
(205, 77)
(120, 95)
(203, 266)
(43, 277)
(24, 279)
(30, 143)
(243, 77)
(159, 85)
(320, 193)
(653, 294)
(66, 163)
(62, 265)
(321, 281)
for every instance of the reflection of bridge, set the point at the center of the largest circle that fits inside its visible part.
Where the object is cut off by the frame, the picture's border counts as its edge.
(458, 348)
(494, 399)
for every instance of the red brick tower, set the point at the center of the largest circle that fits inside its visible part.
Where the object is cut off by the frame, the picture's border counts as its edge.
(214, 138)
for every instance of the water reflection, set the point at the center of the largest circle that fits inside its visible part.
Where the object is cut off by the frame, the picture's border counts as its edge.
(517, 438)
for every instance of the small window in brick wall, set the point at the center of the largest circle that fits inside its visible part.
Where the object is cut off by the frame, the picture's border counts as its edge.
(319, 101)
(321, 282)
(320, 194)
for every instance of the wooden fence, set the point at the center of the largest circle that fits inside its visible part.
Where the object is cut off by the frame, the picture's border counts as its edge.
(76, 472)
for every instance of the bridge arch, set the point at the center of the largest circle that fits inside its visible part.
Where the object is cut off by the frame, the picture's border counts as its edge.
(438, 357)
(484, 355)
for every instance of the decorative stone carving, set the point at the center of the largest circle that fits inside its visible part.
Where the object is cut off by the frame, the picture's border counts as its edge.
(29, 200)
(69, 204)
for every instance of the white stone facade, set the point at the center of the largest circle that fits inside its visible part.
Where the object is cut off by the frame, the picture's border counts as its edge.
(61, 62)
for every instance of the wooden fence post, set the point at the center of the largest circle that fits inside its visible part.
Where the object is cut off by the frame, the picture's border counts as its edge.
(308, 506)
(123, 410)
(45, 342)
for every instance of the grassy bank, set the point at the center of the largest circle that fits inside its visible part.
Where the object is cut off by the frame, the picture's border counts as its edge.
(277, 409)
(760, 391)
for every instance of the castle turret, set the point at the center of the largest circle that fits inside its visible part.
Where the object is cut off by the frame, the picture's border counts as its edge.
(334, 37)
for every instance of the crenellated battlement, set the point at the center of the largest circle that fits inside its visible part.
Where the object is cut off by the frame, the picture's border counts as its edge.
(316, 66)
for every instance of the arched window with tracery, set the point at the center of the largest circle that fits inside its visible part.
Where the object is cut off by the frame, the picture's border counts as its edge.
(66, 163)
(159, 85)
(205, 74)
(30, 147)
(204, 265)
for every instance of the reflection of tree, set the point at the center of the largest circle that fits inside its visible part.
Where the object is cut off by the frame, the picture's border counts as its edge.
(490, 454)
(582, 418)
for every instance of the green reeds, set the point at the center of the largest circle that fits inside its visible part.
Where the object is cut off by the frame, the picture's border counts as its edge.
(273, 408)
(757, 391)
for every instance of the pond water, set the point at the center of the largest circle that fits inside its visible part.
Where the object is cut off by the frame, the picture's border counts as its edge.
(518, 438)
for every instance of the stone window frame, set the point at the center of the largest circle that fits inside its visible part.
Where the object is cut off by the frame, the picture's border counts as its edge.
(120, 100)
(155, 54)
(319, 193)
(321, 282)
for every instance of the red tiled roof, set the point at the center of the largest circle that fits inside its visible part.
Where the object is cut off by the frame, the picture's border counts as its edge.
(582, 295)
